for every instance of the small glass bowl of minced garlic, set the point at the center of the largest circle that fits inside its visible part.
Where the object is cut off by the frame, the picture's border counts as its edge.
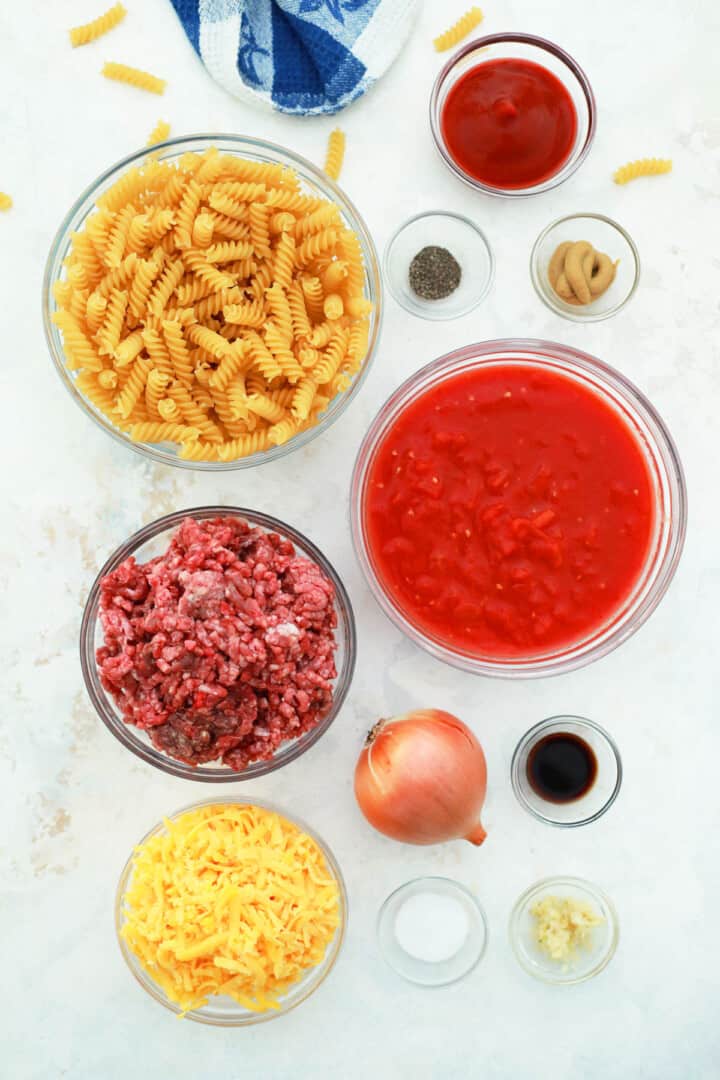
(564, 930)
(439, 265)
(585, 267)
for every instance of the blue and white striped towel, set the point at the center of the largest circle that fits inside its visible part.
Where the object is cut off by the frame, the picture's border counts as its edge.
(299, 56)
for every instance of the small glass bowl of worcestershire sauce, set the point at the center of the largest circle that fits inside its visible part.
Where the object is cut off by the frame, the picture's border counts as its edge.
(566, 771)
(512, 114)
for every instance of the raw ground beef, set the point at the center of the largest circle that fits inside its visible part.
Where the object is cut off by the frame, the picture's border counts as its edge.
(223, 647)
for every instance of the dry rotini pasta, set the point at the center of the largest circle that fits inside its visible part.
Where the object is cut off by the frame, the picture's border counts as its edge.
(335, 153)
(317, 244)
(228, 228)
(155, 387)
(187, 212)
(248, 313)
(301, 325)
(265, 407)
(163, 432)
(129, 348)
(108, 335)
(642, 167)
(95, 312)
(333, 277)
(282, 221)
(177, 347)
(134, 387)
(303, 397)
(142, 282)
(229, 251)
(202, 231)
(143, 80)
(259, 218)
(91, 31)
(168, 410)
(157, 350)
(333, 306)
(209, 304)
(314, 297)
(138, 233)
(459, 30)
(284, 260)
(159, 133)
(118, 240)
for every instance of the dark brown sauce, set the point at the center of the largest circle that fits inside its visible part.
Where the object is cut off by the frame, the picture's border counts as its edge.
(561, 768)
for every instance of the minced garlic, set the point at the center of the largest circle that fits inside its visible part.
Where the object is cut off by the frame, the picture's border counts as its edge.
(563, 925)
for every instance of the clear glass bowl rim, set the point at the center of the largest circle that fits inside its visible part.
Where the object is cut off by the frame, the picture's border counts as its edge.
(433, 313)
(246, 1018)
(125, 733)
(531, 736)
(586, 364)
(570, 314)
(562, 881)
(445, 881)
(229, 143)
(570, 166)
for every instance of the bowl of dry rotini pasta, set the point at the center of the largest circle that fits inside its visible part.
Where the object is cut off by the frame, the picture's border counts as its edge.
(213, 303)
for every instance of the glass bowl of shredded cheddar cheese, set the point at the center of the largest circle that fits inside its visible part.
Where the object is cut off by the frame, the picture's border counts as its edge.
(213, 303)
(230, 913)
(564, 930)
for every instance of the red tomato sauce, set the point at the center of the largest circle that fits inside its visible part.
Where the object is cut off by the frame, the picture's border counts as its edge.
(509, 511)
(509, 123)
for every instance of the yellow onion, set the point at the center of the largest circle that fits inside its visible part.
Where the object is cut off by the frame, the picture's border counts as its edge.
(421, 779)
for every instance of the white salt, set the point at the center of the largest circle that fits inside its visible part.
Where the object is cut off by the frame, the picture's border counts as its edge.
(431, 927)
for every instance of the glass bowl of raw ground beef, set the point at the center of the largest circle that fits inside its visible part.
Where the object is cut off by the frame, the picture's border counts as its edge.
(217, 644)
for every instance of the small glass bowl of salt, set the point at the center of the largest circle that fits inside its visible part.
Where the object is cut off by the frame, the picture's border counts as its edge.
(432, 931)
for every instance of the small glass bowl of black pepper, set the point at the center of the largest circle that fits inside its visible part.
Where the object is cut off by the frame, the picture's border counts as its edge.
(439, 265)
(566, 771)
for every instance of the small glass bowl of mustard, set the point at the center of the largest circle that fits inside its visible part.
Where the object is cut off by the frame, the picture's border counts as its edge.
(607, 238)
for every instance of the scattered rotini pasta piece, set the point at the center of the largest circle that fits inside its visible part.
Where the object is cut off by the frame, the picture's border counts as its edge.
(210, 305)
(459, 30)
(159, 133)
(642, 167)
(5, 201)
(143, 80)
(335, 153)
(83, 35)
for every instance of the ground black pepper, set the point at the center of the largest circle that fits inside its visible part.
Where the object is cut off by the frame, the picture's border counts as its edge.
(434, 273)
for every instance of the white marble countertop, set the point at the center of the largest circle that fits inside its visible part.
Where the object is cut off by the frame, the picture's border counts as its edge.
(75, 801)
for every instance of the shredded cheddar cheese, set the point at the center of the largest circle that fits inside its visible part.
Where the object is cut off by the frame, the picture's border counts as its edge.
(229, 899)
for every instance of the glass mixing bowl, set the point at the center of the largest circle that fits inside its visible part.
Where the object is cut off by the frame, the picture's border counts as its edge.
(146, 544)
(225, 1011)
(314, 182)
(663, 465)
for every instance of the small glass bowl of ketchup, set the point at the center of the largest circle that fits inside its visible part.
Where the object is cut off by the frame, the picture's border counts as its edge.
(566, 771)
(512, 114)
